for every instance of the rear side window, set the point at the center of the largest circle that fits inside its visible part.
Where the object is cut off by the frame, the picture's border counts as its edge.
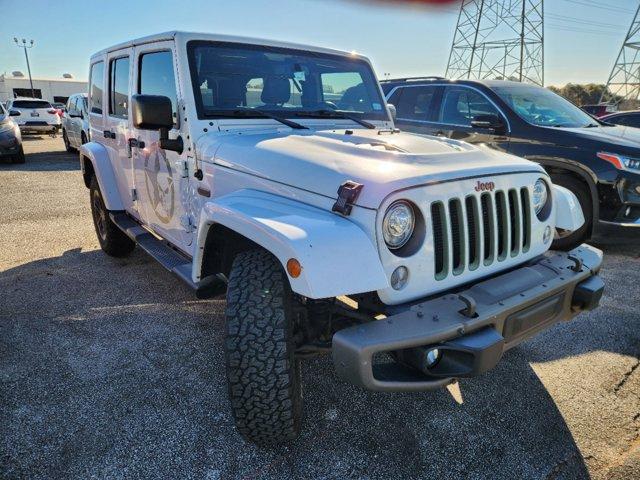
(626, 120)
(31, 104)
(156, 77)
(461, 105)
(96, 88)
(414, 103)
(119, 87)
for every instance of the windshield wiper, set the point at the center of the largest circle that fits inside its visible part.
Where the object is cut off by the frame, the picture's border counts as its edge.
(247, 112)
(591, 125)
(335, 114)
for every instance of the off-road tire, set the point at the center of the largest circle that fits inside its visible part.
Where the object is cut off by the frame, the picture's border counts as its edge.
(113, 241)
(19, 157)
(262, 373)
(67, 145)
(584, 198)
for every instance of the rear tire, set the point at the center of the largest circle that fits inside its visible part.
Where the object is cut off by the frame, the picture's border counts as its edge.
(581, 191)
(113, 241)
(262, 373)
(19, 157)
(67, 145)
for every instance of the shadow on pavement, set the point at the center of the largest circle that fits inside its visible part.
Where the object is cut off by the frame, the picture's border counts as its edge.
(46, 161)
(111, 368)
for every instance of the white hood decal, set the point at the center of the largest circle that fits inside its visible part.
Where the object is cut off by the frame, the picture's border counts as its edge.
(320, 161)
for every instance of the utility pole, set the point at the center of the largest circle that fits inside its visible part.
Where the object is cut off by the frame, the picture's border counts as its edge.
(499, 39)
(623, 85)
(26, 45)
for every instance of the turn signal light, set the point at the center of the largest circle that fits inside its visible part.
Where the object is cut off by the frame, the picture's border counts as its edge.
(294, 269)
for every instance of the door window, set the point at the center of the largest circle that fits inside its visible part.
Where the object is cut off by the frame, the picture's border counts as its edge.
(414, 103)
(461, 105)
(118, 87)
(156, 77)
(96, 87)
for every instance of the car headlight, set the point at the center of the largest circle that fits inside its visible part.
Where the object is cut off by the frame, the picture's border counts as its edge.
(540, 195)
(620, 161)
(6, 126)
(398, 224)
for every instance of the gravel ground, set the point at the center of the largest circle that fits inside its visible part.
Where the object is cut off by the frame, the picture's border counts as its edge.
(110, 369)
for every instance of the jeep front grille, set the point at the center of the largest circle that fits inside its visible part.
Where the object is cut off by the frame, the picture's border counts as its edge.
(480, 230)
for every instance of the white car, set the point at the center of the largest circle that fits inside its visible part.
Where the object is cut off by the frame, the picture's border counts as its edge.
(75, 122)
(34, 115)
(273, 172)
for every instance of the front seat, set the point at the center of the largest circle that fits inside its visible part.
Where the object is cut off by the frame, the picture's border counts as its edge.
(276, 91)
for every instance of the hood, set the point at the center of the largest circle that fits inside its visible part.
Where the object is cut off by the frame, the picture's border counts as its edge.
(617, 135)
(320, 161)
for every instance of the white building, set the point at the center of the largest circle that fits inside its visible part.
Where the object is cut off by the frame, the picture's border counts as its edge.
(52, 89)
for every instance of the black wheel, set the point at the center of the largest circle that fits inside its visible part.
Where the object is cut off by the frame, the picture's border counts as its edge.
(113, 241)
(67, 145)
(570, 240)
(262, 373)
(19, 157)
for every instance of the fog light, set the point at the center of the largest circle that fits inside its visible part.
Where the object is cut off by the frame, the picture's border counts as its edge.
(432, 357)
(399, 278)
(547, 234)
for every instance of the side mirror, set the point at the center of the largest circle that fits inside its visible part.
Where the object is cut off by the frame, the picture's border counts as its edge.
(392, 110)
(154, 112)
(74, 114)
(488, 122)
(14, 113)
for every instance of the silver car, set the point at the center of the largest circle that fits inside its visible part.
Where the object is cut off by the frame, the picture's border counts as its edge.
(75, 122)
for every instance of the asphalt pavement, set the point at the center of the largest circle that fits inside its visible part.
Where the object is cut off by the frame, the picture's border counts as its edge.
(109, 368)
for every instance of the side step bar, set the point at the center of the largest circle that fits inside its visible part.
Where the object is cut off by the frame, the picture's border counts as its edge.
(172, 260)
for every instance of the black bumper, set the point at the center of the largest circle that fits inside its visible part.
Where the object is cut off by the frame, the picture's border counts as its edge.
(470, 329)
(9, 144)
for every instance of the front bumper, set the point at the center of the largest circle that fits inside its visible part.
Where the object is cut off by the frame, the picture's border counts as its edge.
(472, 328)
(9, 144)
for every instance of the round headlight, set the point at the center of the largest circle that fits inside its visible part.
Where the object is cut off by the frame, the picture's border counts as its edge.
(540, 195)
(398, 224)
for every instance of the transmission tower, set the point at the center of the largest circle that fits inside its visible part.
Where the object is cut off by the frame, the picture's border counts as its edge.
(623, 85)
(499, 39)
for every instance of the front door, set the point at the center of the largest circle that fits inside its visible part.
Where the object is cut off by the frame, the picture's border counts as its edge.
(458, 107)
(161, 176)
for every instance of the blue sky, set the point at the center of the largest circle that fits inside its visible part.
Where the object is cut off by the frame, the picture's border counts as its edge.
(582, 36)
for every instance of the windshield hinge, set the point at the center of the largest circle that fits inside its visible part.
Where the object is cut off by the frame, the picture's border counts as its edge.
(347, 196)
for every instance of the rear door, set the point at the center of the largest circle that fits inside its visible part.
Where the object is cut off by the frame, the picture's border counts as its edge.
(415, 108)
(458, 107)
(162, 176)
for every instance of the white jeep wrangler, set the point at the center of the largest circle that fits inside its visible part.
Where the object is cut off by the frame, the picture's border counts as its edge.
(274, 172)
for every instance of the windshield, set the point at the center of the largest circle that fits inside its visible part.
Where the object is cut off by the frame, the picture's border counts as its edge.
(228, 77)
(542, 107)
(31, 104)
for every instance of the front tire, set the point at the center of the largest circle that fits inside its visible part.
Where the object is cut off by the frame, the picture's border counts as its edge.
(113, 241)
(574, 239)
(67, 144)
(262, 373)
(19, 157)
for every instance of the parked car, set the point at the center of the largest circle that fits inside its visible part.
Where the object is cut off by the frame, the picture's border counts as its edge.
(75, 122)
(10, 138)
(273, 172)
(599, 110)
(34, 115)
(60, 108)
(630, 118)
(596, 161)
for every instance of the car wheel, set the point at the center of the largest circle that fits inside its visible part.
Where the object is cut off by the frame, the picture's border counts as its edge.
(83, 138)
(19, 157)
(569, 240)
(262, 372)
(113, 241)
(67, 145)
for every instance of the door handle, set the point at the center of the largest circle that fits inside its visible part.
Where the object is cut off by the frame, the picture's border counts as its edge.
(109, 134)
(135, 143)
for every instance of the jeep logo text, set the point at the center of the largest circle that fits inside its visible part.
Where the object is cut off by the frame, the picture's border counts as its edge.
(485, 186)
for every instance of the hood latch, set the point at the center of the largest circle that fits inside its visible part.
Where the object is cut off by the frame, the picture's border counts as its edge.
(347, 196)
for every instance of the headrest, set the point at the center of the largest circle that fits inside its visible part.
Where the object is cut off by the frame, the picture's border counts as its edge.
(275, 90)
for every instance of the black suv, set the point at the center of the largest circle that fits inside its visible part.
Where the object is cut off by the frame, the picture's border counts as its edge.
(599, 162)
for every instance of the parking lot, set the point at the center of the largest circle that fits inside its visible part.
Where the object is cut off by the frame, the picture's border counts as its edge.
(110, 368)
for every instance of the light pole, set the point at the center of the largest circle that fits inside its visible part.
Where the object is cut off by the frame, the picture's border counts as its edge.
(25, 46)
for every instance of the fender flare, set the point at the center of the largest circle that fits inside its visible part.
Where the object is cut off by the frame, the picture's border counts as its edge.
(337, 256)
(569, 214)
(583, 172)
(99, 158)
